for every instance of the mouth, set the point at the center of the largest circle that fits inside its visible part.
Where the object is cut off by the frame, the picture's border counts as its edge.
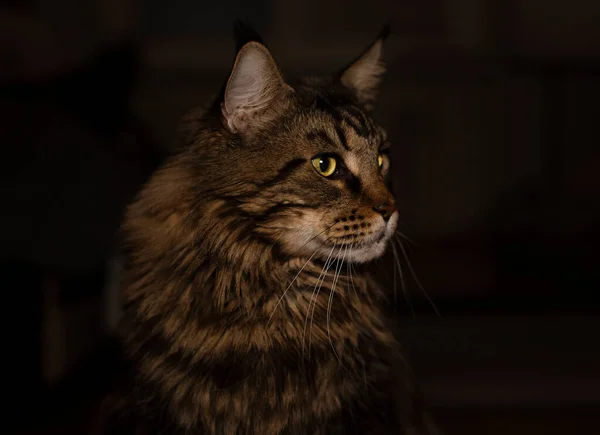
(305, 242)
(364, 250)
(381, 236)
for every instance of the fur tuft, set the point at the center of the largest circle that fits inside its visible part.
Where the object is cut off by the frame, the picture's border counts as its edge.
(243, 33)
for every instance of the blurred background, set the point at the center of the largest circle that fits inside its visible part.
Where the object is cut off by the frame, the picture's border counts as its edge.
(492, 109)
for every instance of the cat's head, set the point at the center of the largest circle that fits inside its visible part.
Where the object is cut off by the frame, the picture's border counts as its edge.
(304, 162)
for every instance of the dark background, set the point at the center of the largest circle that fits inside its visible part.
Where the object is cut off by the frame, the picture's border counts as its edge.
(492, 109)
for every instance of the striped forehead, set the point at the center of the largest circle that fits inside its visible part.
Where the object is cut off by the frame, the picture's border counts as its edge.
(345, 127)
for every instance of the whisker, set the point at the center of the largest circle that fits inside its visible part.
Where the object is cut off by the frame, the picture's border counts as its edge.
(289, 286)
(326, 265)
(349, 265)
(338, 269)
(394, 276)
(315, 304)
(402, 282)
(405, 237)
(353, 269)
(414, 275)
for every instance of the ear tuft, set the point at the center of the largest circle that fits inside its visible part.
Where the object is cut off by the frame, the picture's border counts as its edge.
(254, 90)
(364, 75)
(244, 33)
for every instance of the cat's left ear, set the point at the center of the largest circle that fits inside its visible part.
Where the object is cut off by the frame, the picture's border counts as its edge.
(363, 76)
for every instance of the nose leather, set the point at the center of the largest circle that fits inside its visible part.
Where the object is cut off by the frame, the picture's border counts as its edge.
(385, 208)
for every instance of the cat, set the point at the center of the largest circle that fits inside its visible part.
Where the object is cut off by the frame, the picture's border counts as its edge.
(248, 309)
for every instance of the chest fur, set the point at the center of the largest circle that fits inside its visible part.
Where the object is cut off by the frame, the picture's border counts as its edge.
(298, 358)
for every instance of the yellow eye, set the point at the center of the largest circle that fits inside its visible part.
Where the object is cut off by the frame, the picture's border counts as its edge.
(325, 165)
(380, 160)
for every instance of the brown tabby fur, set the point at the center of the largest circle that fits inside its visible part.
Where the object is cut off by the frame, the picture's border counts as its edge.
(230, 325)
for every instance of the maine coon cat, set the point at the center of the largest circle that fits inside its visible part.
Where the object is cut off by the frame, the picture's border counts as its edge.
(247, 307)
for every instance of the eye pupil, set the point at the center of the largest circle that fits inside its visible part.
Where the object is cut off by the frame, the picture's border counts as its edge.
(324, 165)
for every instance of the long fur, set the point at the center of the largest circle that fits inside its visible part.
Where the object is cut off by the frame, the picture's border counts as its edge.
(248, 310)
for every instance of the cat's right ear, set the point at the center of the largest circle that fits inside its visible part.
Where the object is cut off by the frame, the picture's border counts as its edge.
(255, 90)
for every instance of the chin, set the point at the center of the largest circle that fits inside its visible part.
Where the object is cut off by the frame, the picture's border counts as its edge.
(364, 254)
(375, 247)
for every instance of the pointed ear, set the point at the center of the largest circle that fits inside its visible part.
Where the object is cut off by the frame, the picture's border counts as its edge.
(364, 75)
(255, 91)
